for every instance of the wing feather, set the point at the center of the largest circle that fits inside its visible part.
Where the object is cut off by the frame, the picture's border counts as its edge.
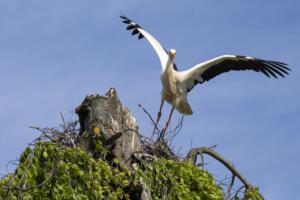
(214, 67)
(160, 51)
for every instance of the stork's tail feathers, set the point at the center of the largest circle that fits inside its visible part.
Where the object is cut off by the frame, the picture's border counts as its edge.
(184, 108)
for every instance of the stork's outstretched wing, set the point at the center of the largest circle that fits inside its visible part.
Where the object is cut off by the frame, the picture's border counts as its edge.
(159, 49)
(207, 70)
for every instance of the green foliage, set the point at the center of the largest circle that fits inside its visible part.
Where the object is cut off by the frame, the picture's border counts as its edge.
(67, 173)
(179, 180)
(50, 171)
(253, 194)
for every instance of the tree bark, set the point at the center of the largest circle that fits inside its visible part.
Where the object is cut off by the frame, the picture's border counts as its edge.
(106, 117)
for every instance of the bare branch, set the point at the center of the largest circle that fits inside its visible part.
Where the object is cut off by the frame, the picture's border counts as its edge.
(32, 187)
(66, 137)
(176, 130)
(238, 191)
(150, 117)
(64, 122)
(230, 187)
(192, 157)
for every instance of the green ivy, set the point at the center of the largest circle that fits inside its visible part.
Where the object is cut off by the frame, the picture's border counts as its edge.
(50, 171)
(74, 174)
(179, 180)
(253, 194)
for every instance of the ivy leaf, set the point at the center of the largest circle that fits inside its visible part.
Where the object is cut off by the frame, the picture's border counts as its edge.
(45, 154)
(116, 161)
(125, 183)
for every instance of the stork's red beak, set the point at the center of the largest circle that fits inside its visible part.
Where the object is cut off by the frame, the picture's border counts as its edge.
(172, 57)
(172, 54)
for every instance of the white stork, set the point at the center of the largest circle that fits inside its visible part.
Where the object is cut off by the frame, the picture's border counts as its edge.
(176, 84)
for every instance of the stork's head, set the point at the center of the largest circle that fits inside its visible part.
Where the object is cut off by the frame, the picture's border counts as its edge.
(172, 54)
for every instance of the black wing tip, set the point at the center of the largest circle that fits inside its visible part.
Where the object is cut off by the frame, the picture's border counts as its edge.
(132, 25)
(274, 68)
(264, 71)
(283, 67)
(282, 64)
(140, 36)
(123, 17)
(135, 31)
(127, 21)
(277, 70)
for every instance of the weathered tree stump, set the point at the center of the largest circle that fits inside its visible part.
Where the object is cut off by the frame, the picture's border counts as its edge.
(106, 117)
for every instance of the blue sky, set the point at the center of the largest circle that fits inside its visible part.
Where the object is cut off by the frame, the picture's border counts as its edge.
(54, 53)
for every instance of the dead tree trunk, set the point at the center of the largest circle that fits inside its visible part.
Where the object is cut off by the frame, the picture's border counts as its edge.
(106, 117)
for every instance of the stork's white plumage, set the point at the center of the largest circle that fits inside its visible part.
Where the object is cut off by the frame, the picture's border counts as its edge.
(176, 84)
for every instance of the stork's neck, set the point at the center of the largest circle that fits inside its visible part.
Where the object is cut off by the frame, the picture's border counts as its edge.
(170, 63)
(169, 66)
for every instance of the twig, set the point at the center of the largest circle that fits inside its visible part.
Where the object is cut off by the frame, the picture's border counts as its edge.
(44, 132)
(176, 130)
(33, 187)
(192, 157)
(150, 117)
(30, 156)
(66, 137)
(230, 187)
(237, 192)
(213, 146)
(13, 162)
(202, 161)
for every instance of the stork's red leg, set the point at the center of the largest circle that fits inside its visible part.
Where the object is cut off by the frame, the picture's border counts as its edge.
(168, 122)
(158, 117)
